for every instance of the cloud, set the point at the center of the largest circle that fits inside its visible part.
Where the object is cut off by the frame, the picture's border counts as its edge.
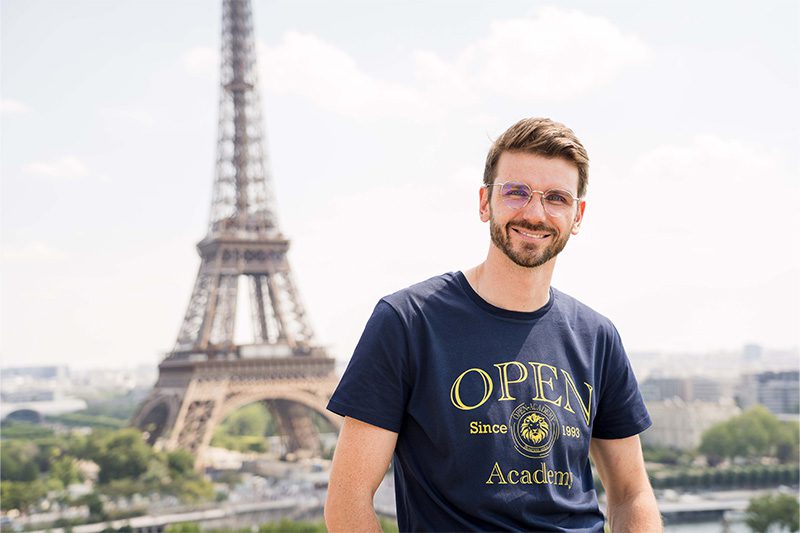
(201, 60)
(8, 106)
(444, 84)
(69, 167)
(726, 182)
(555, 55)
(32, 251)
(305, 65)
(711, 212)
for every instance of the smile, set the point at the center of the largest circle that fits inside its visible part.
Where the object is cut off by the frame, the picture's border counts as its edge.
(532, 235)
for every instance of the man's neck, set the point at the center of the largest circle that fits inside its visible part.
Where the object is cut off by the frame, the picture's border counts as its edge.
(504, 284)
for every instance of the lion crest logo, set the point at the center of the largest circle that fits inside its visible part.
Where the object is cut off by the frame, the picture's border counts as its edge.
(534, 429)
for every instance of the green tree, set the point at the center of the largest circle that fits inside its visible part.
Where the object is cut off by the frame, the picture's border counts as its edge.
(781, 510)
(717, 443)
(157, 473)
(65, 470)
(193, 490)
(17, 430)
(180, 462)
(253, 419)
(18, 461)
(755, 431)
(752, 434)
(21, 495)
(95, 504)
(787, 443)
(244, 429)
(122, 454)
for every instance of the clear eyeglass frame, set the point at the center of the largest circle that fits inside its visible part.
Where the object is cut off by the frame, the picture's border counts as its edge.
(517, 195)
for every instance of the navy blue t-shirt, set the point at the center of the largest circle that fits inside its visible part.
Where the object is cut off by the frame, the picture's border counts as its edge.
(494, 408)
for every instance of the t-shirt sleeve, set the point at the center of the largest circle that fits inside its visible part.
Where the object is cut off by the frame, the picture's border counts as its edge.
(375, 385)
(621, 411)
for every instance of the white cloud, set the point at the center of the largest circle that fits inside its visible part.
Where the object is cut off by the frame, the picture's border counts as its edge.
(724, 203)
(306, 65)
(444, 84)
(201, 60)
(32, 251)
(13, 106)
(737, 190)
(68, 167)
(555, 55)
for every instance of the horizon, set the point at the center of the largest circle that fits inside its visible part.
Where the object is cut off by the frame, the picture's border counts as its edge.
(634, 355)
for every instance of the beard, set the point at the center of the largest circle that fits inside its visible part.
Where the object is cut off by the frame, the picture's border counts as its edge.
(528, 255)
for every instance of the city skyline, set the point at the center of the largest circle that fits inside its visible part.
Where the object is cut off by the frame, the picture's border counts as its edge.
(377, 124)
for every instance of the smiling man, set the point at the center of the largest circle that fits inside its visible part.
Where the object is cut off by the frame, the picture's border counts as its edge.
(488, 387)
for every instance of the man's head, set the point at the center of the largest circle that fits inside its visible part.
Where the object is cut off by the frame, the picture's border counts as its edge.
(540, 170)
(540, 136)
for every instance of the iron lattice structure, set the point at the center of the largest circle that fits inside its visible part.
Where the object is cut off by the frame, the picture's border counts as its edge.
(207, 375)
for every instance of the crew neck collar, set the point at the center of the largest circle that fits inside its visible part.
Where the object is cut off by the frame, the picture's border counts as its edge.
(499, 311)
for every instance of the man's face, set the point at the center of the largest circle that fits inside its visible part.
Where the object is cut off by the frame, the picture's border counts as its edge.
(530, 237)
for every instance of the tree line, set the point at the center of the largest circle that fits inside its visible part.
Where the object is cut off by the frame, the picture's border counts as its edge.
(126, 464)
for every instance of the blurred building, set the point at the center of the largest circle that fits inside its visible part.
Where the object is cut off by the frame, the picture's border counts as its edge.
(33, 405)
(777, 391)
(32, 393)
(115, 379)
(688, 389)
(680, 424)
(36, 373)
(752, 352)
(41, 378)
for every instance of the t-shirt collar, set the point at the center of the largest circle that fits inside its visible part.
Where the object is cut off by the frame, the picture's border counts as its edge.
(499, 311)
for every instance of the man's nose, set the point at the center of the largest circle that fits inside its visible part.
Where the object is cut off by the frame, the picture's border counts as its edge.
(535, 208)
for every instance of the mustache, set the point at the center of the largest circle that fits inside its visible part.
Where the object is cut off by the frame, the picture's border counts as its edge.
(531, 227)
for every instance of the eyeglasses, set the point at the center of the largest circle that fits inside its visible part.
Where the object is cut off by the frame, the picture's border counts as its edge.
(556, 202)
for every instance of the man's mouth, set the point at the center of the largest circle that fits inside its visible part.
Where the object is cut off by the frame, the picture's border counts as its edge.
(532, 235)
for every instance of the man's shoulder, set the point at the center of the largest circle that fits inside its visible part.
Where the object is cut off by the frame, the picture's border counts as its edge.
(419, 294)
(578, 313)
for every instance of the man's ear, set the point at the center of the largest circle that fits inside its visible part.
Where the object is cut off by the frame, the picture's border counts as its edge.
(484, 209)
(576, 224)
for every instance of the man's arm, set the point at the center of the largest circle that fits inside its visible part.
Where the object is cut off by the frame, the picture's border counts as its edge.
(360, 461)
(631, 502)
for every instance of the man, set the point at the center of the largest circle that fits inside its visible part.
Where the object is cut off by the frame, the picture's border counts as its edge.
(490, 388)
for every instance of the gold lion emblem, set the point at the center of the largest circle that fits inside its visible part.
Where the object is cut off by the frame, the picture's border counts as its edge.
(534, 428)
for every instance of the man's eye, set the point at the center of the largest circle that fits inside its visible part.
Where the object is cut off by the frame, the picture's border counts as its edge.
(557, 197)
(522, 193)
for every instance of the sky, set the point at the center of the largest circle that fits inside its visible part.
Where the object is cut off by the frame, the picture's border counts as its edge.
(378, 116)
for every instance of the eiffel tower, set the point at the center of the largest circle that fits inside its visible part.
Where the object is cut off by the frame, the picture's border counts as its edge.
(207, 375)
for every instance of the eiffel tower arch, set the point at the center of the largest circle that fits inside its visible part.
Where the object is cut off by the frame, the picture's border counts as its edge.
(207, 375)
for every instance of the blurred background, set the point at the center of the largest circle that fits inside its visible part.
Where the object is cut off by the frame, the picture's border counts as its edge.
(378, 116)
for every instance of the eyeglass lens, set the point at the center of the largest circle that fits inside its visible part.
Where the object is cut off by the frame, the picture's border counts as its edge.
(556, 202)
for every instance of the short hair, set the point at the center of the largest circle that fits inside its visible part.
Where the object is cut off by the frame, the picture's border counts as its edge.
(544, 137)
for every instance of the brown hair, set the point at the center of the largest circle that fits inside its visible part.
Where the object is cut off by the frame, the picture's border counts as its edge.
(544, 137)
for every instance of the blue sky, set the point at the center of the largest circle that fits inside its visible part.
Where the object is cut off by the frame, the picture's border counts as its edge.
(378, 116)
